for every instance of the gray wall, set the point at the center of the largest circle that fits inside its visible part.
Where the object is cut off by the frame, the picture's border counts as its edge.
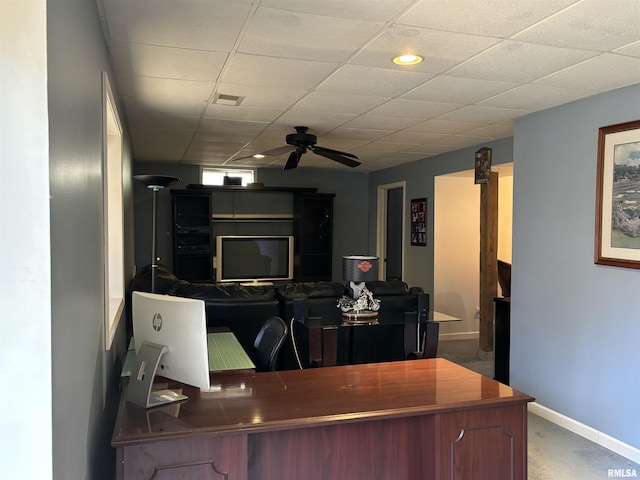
(575, 326)
(350, 223)
(85, 376)
(418, 262)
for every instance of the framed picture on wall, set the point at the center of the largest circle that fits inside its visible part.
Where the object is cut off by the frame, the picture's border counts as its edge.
(419, 222)
(617, 239)
(483, 165)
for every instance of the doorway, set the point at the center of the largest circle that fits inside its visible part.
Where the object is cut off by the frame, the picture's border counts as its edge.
(456, 238)
(390, 233)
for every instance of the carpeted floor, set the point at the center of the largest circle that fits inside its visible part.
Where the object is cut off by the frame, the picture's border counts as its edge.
(554, 453)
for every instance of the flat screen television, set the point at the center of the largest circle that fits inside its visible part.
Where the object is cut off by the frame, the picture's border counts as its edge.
(254, 259)
(180, 325)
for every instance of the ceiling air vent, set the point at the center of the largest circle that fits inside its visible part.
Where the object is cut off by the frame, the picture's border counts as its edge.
(223, 99)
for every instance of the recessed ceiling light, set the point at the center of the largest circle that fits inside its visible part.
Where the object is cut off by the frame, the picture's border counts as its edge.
(258, 155)
(407, 59)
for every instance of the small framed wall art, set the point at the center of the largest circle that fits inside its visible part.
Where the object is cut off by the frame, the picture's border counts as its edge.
(483, 165)
(419, 222)
(617, 241)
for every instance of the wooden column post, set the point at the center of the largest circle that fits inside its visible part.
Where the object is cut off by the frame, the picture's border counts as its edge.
(488, 259)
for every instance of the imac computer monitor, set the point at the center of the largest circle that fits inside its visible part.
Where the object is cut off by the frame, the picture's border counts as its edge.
(180, 325)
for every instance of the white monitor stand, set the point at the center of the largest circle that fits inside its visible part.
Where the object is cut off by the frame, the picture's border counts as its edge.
(140, 391)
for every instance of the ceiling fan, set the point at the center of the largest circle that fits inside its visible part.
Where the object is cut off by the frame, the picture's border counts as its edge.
(301, 141)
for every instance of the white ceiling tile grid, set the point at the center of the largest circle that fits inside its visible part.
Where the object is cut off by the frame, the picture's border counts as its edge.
(282, 63)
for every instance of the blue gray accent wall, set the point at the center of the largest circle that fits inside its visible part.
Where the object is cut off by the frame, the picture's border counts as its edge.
(575, 326)
(419, 175)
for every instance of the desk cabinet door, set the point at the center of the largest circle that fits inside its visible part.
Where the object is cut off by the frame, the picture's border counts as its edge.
(483, 443)
(204, 458)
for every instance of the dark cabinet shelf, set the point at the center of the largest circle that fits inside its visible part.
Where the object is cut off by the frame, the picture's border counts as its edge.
(201, 214)
(313, 226)
(502, 338)
(192, 240)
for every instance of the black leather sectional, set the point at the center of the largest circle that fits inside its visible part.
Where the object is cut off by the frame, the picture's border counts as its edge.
(243, 309)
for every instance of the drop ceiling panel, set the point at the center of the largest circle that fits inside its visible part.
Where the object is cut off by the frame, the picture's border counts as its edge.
(214, 150)
(429, 148)
(413, 109)
(228, 112)
(166, 62)
(409, 138)
(495, 18)
(463, 141)
(160, 144)
(519, 62)
(441, 126)
(154, 117)
(441, 50)
(288, 34)
(381, 82)
(605, 72)
(218, 135)
(148, 91)
(138, 111)
(339, 102)
(633, 50)
(277, 72)
(210, 25)
(494, 131)
(531, 96)
(449, 89)
(234, 127)
(320, 121)
(487, 62)
(261, 96)
(377, 122)
(378, 10)
(590, 25)
(478, 114)
(379, 148)
(369, 135)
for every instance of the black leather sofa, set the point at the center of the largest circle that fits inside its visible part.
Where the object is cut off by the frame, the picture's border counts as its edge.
(243, 309)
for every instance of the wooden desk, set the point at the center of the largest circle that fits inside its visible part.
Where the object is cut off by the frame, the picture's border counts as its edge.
(424, 419)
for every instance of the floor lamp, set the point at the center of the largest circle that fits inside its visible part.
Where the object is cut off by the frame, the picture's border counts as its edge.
(154, 183)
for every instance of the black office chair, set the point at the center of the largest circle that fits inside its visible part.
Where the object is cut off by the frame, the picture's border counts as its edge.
(429, 342)
(268, 343)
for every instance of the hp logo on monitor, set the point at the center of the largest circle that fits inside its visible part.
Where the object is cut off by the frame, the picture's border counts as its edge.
(157, 322)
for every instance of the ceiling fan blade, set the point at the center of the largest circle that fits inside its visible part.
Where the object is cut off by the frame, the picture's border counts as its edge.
(276, 152)
(294, 159)
(340, 157)
(344, 154)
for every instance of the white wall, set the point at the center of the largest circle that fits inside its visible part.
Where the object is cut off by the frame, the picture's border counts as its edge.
(25, 292)
(575, 326)
(456, 261)
(457, 245)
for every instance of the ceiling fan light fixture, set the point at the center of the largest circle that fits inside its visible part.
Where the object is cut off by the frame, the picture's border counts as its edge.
(408, 59)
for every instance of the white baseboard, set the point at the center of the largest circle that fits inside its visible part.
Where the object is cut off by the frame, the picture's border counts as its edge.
(587, 432)
(458, 336)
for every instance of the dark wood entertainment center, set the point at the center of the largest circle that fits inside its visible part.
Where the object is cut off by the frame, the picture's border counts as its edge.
(200, 213)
